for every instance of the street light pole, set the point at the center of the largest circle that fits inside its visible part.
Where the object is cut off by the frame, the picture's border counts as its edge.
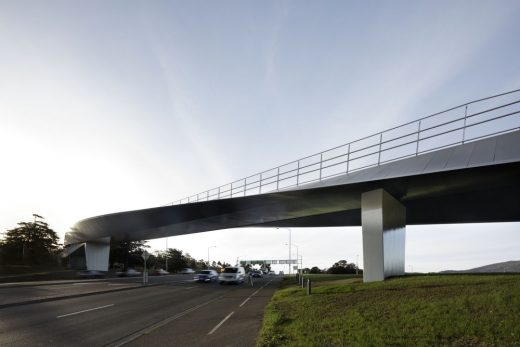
(208, 253)
(297, 256)
(289, 248)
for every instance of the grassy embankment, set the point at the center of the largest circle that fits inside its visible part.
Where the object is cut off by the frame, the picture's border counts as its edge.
(453, 310)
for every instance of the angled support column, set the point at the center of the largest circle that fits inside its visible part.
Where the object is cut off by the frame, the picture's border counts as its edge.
(383, 221)
(96, 254)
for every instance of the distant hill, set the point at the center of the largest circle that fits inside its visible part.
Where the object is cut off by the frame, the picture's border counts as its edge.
(507, 266)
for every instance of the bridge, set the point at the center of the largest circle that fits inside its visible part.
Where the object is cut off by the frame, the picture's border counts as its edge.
(461, 165)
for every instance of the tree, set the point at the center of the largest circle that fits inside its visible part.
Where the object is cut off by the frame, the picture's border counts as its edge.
(127, 253)
(342, 267)
(315, 270)
(31, 243)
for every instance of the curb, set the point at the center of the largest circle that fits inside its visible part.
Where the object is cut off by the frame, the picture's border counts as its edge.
(37, 301)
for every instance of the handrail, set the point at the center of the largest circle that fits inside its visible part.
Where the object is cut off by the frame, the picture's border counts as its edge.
(293, 174)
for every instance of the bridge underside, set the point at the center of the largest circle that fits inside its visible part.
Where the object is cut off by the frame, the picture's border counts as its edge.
(470, 183)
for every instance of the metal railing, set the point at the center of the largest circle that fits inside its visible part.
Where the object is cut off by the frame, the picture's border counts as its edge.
(468, 122)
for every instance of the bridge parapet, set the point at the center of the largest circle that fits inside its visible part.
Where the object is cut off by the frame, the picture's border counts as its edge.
(468, 122)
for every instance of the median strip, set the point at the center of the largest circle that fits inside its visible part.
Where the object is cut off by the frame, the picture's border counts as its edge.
(79, 312)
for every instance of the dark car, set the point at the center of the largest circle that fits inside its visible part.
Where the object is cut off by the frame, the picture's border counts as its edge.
(129, 273)
(256, 273)
(91, 274)
(206, 276)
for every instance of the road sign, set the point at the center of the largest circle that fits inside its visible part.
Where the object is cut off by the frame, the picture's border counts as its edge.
(145, 255)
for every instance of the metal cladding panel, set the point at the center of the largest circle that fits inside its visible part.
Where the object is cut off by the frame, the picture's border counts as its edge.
(97, 255)
(383, 226)
(372, 227)
(507, 148)
(438, 160)
(460, 156)
(483, 152)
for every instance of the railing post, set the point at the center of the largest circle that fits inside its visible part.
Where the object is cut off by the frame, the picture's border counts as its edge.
(278, 179)
(245, 185)
(308, 286)
(260, 185)
(380, 143)
(207, 195)
(298, 174)
(348, 157)
(197, 197)
(418, 138)
(218, 194)
(464, 128)
(321, 163)
(231, 190)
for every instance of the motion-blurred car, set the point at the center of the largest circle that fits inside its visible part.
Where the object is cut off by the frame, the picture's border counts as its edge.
(129, 273)
(206, 276)
(160, 272)
(187, 271)
(232, 275)
(256, 273)
(91, 274)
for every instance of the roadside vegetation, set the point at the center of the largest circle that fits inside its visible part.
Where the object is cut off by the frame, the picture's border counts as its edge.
(429, 310)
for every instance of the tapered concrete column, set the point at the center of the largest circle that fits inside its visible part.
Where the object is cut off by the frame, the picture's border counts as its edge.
(97, 253)
(383, 221)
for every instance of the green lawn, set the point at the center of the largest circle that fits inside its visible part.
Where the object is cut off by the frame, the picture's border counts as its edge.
(448, 310)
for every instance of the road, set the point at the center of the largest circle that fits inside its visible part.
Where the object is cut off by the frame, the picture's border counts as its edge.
(174, 311)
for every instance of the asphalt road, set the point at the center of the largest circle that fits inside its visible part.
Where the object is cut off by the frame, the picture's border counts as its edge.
(173, 312)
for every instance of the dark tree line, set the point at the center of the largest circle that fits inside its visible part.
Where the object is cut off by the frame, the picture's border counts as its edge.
(127, 254)
(31, 243)
(340, 267)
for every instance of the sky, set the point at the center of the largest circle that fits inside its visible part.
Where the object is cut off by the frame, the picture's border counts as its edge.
(109, 106)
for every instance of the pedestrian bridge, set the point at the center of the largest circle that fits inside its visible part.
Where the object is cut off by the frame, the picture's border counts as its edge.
(461, 165)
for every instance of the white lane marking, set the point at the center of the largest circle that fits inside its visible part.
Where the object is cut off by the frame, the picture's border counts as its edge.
(119, 284)
(160, 324)
(84, 283)
(221, 322)
(244, 302)
(79, 312)
(250, 296)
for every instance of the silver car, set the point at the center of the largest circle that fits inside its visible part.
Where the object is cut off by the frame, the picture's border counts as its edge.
(206, 276)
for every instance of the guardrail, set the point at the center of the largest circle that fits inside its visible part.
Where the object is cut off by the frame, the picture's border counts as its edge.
(468, 122)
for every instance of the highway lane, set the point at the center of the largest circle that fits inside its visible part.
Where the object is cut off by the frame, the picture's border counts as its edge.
(20, 292)
(234, 319)
(106, 318)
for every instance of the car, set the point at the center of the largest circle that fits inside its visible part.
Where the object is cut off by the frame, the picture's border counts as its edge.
(91, 274)
(206, 276)
(187, 270)
(129, 273)
(234, 274)
(160, 272)
(256, 273)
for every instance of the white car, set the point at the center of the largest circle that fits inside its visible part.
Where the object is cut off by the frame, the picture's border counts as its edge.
(234, 274)
(187, 271)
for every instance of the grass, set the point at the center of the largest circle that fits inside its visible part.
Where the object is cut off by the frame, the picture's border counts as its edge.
(444, 310)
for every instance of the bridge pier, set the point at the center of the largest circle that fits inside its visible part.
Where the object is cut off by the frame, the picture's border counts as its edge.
(97, 253)
(383, 223)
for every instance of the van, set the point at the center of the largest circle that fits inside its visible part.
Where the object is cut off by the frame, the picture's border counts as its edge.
(235, 274)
